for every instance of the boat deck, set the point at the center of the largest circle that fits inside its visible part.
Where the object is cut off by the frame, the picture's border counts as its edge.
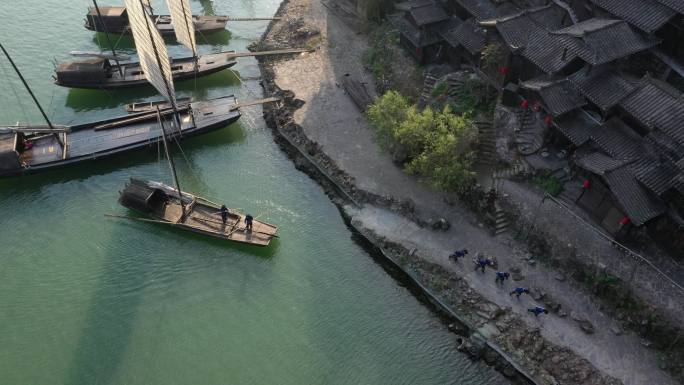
(206, 219)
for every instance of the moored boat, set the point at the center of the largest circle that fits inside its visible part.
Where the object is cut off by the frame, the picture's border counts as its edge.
(26, 150)
(163, 204)
(102, 73)
(115, 20)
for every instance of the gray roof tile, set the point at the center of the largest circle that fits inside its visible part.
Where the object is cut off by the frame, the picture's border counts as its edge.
(598, 41)
(604, 86)
(577, 128)
(618, 140)
(657, 106)
(677, 5)
(470, 35)
(428, 14)
(638, 203)
(480, 9)
(657, 177)
(598, 162)
(558, 94)
(647, 15)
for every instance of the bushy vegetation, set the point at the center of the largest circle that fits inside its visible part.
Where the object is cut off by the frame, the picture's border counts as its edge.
(378, 58)
(549, 184)
(438, 144)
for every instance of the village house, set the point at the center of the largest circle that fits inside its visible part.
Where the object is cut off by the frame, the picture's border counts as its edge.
(598, 80)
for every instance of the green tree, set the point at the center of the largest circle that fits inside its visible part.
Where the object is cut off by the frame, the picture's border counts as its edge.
(438, 143)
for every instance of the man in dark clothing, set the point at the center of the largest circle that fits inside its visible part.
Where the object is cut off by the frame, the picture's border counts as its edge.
(482, 262)
(458, 254)
(519, 291)
(224, 214)
(248, 222)
(501, 276)
(538, 310)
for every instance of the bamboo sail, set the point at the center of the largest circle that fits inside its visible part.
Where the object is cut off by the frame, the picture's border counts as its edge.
(184, 27)
(154, 59)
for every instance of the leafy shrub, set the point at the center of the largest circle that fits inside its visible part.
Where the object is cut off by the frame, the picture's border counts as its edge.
(439, 143)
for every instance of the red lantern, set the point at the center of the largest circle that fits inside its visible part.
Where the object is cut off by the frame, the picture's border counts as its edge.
(548, 119)
(503, 70)
(525, 104)
(625, 221)
(586, 184)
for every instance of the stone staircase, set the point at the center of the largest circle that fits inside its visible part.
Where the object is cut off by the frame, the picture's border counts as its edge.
(428, 86)
(530, 137)
(501, 224)
(486, 151)
(520, 167)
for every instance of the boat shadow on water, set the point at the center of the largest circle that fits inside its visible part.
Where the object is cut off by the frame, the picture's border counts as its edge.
(125, 42)
(124, 162)
(114, 311)
(88, 100)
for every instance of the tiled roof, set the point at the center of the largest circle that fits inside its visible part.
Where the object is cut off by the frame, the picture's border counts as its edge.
(618, 140)
(480, 9)
(470, 35)
(680, 164)
(517, 28)
(598, 41)
(647, 15)
(417, 37)
(605, 87)
(445, 29)
(657, 106)
(428, 14)
(677, 5)
(598, 162)
(547, 52)
(577, 128)
(407, 5)
(657, 177)
(558, 94)
(637, 202)
(679, 183)
(506, 8)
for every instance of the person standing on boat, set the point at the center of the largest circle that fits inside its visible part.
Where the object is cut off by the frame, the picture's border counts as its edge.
(248, 222)
(224, 214)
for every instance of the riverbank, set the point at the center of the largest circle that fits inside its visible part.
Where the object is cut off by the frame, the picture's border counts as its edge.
(321, 120)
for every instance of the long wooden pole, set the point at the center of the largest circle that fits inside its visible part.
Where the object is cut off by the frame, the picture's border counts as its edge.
(173, 166)
(49, 123)
(109, 41)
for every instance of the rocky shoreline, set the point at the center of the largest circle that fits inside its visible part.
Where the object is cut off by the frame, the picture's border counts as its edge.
(479, 320)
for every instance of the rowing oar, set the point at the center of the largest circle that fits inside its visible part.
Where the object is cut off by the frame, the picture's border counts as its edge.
(140, 219)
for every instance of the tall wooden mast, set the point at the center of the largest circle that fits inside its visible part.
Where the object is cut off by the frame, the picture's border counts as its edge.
(109, 40)
(171, 163)
(47, 120)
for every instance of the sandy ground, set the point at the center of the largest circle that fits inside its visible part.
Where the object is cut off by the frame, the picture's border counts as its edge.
(330, 118)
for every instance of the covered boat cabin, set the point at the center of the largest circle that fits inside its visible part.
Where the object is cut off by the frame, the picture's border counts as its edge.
(114, 19)
(139, 196)
(84, 72)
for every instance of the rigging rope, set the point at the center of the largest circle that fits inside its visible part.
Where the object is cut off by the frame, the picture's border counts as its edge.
(14, 91)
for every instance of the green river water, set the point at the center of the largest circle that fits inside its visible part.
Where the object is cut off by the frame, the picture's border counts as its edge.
(89, 300)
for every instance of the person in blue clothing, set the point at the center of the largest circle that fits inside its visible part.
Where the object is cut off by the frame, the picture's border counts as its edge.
(538, 310)
(518, 291)
(501, 276)
(482, 262)
(458, 254)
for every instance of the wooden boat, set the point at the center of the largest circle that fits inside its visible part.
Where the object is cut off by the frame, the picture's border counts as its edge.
(102, 73)
(115, 20)
(26, 150)
(162, 204)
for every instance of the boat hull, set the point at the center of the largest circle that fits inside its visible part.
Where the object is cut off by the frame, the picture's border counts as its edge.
(107, 76)
(161, 203)
(203, 24)
(110, 137)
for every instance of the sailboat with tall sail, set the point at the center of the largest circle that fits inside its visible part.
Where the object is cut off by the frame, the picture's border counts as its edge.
(112, 70)
(163, 204)
(29, 149)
